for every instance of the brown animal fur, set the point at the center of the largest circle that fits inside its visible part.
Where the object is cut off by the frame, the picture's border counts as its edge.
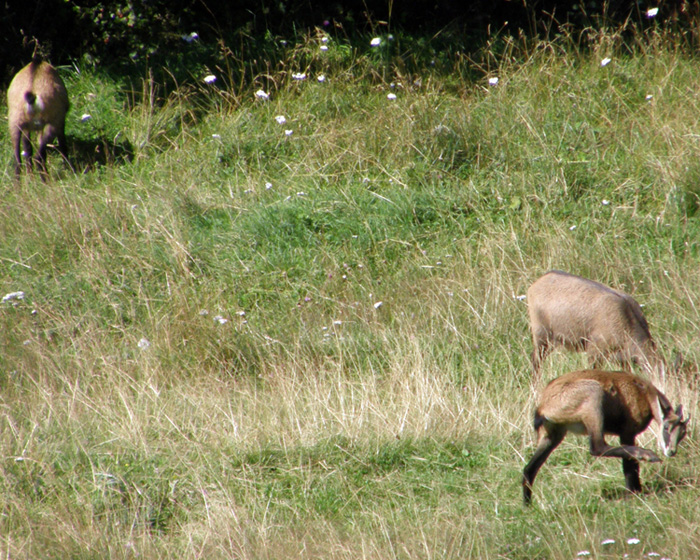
(37, 101)
(583, 315)
(595, 403)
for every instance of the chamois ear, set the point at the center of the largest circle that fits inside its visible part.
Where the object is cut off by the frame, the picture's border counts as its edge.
(666, 407)
(679, 412)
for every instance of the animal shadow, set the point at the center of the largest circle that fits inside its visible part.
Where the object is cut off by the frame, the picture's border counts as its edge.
(655, 487)
(88, 154)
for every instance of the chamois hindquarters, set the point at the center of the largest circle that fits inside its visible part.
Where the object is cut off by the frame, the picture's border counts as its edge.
(37, 101)
(597, 403)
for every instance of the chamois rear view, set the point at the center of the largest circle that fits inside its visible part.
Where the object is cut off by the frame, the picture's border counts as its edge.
(583, 315)
(37, 101)
(595, 403)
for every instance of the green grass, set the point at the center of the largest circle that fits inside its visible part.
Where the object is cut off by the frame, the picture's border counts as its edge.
(236, 342)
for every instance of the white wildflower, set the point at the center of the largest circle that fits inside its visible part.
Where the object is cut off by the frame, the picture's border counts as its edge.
(298, 76)
(85, 117)
(607, 542)
(633, 540)
(191, 37)
(584, 553)
(240, 313)
(337, 323)
(210, 79)
(324, 48)
(288, 132)
(378, 304)
(144, 343)
(649, 97)
(572, 228)
(651, 12)
(12, 296)
(216, 136)
(521, 297)
(391, 96)
(324, 39)
(375, 42)
(605, 61)
(268, 186)
(280, 119)
(321, 78)
(493, 81)
(221, 320)
(605, 202)
(262, 94)
(204, 312)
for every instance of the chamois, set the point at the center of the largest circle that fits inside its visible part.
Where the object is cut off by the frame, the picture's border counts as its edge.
(37, 101)
(583, 315)
(596, 403)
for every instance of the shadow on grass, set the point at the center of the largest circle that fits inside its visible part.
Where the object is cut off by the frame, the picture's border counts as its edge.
(87, 154)
(656, 487)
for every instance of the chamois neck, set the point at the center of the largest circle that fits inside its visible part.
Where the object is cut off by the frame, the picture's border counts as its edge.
(664, 406)
(661, 408)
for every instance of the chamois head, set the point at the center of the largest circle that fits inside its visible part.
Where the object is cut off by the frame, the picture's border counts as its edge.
(674, 430)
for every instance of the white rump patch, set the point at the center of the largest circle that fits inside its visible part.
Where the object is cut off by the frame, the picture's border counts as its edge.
(36, 107)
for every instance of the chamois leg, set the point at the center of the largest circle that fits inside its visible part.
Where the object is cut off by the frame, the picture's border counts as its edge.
(548, 442)
(17, 139)
(600, 360)
(630, 468)
(541, 349)
(45, 137)
(631, 452)
(23, 147)
(599, 448)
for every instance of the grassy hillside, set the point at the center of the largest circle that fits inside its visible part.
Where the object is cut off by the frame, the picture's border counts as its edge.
(243, 336)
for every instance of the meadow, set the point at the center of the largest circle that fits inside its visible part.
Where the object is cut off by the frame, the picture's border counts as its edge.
(292, 325)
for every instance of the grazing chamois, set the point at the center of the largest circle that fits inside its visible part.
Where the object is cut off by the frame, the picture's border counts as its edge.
(596, 403)
(37, 101)
(583, 315)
